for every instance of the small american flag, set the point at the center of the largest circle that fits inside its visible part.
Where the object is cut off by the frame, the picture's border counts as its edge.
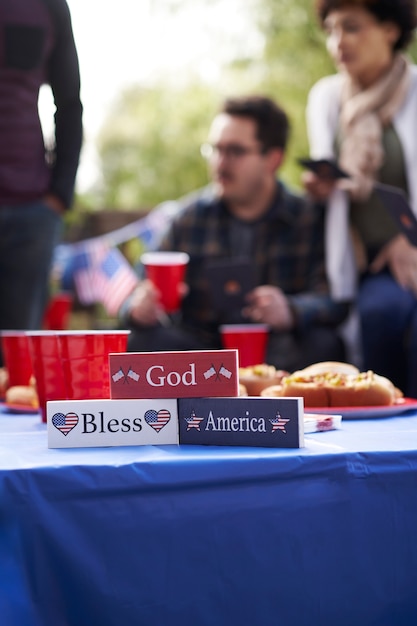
(193, 421)
(209, 373)
(117, 280)
(157, 419)
(225, 372)
(133, 375)
(65, 423)
(87, 258)
(278, 423)
(118, 375)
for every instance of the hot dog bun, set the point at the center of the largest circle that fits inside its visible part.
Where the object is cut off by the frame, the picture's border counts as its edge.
(22, 395)
(4, 381)
(242, 390)
(364, 389)
(337, 389)
(257, 377)
(311, 388)
(329, 367)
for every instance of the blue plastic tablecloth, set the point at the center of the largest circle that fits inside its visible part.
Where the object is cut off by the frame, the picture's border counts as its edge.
(195, 536)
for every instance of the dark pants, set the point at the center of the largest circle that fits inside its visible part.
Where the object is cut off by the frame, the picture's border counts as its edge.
(388, 315)
(28, 236)
(288, 351)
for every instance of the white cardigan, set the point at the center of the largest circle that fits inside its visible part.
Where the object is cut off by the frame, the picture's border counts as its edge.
(322, 124)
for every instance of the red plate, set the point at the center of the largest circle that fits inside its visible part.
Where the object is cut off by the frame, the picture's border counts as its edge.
(366, 412)
(19, 408)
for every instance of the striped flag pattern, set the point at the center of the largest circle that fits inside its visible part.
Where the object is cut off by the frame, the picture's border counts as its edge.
(210, 372)
(76, 263)
(225, 372)
(278, 423)
(157, 419)
(193, 421)
(103, 274)
(118, 375)
(133, 375)
(65, 423)
(86, 260)
(117, 280)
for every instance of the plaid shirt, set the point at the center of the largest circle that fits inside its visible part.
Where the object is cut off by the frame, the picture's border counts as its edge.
(288, 252)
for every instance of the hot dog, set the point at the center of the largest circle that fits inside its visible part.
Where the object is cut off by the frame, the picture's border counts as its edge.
(333, 389)
(363, 389)
(4, 381)
(22, 395)
(257, 377)
(330, 367)
(311, 388)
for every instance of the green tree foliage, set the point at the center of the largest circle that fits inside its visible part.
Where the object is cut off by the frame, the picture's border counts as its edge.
(149, 146)
(294, 58)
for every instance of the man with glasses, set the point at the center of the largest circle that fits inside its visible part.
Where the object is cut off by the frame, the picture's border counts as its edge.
(246, 214)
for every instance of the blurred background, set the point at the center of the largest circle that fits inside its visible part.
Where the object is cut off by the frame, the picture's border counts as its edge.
(153, 73)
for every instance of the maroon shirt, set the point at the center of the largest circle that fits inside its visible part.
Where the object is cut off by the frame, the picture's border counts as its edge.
(37, 47)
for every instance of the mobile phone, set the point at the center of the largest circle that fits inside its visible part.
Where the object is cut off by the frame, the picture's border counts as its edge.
(324, 168)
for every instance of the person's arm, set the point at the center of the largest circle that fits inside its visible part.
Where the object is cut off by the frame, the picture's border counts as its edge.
(269, 305)
(322, 115)
(401, 259)
(64, 79)
(315, 304)
(142, 306)
(311, 309)
(322, 119)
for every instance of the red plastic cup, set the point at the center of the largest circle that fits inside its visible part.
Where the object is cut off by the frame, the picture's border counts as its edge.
(58, 311)
(249, 339)
(47, 368)
(15, 347)
(166, 270)
(85, 361)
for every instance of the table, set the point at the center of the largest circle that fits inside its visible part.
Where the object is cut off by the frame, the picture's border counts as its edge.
(177, 535)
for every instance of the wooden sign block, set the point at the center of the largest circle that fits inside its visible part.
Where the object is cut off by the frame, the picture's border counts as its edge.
(95, 423)
(260, 422)
(195, 373)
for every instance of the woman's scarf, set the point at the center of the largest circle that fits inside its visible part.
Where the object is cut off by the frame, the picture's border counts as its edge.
(364, 113)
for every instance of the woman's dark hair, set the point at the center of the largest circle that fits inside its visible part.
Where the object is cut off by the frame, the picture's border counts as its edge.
(271, 121)
(401, 12)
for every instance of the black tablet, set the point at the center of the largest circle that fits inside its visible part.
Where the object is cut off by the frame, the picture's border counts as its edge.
(396, 202)
(229, 281)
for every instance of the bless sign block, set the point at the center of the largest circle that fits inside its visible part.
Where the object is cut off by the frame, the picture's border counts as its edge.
(195, 373)
(94, 423)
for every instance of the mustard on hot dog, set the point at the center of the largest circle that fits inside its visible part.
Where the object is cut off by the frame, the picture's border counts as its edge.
(336, 389)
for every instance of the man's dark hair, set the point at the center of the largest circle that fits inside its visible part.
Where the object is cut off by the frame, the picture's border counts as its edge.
(271, 121)
(402, 12)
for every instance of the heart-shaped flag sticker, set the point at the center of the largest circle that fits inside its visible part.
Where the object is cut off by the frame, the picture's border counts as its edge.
(157, 419)
(65, 423)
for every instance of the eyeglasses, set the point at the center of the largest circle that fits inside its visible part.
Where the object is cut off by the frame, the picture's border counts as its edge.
(232, 151)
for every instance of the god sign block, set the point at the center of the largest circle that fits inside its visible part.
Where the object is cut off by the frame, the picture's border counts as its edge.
(191, 374)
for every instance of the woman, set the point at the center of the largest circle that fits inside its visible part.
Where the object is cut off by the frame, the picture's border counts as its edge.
(365, 116)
